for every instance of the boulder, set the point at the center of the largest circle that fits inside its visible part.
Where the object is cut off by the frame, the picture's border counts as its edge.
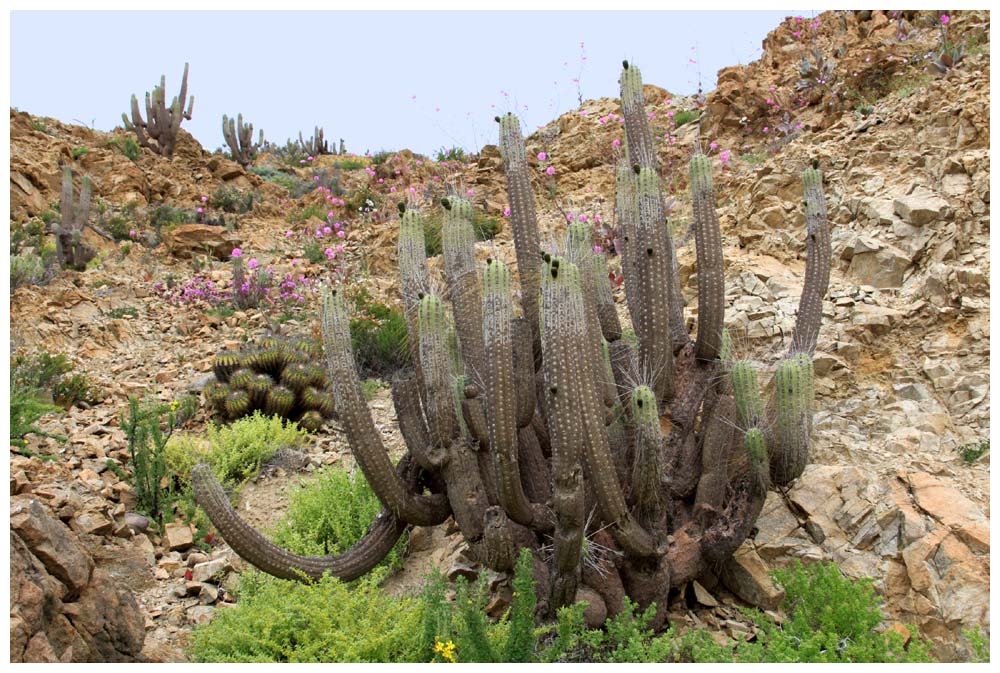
(746, 575)
(920, 208)
(878, 264)
(186, 240)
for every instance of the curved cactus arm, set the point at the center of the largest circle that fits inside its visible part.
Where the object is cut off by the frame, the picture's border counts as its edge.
(817, 279)
(711, 269)
(458, 241)
(412, 425)
(414, 281)
(498, 338)
(607, 312)
(523, 220)
(790, 420)
(365, 441)
(562, 344)
(272, 559)
(656, 355)
(435, 360)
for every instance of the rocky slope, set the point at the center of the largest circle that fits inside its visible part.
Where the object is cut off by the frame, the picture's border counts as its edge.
(903, 368)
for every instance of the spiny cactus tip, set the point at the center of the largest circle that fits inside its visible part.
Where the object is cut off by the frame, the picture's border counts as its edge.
(625, 64)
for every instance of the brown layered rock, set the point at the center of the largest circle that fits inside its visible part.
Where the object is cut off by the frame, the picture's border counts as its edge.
(63, 609)
(186, 240)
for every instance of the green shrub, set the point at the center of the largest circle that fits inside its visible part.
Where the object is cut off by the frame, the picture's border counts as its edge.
(326, 621)
(123, 311)
(980, 644)
(48, 375)
(314, 252)
(381, 157)
(316, 211)
(237, 451)
(451, 154)
(26, 268)
(328, 514)
(287, 181)
(349, 164)
(973, 451)
(78, 152)
(69, 390)
(26, 407)
(231, 200)
(378, 337)
(147, 452)
(164, 217)
(685, 117)
(127, 146)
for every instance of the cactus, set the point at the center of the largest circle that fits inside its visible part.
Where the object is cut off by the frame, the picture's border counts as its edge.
(276, 375)
(239, 137)
(315, 146)
(70, 250)
(551, 431)
(159, 130)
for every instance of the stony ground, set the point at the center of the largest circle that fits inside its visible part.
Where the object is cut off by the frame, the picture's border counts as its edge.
(903, 367)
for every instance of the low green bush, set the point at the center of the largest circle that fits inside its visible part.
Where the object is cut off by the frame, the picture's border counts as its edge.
(326, 621)
(328, 514)
(237, 451)
(378, 337)
(287, 181)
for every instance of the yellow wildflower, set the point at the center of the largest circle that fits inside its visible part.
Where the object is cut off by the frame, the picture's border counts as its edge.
(446, 650)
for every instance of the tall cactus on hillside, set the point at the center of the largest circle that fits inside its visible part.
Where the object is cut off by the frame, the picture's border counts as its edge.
(239, 137)
(74, 216)
(315, 146)
(162, 123)
(560, 436)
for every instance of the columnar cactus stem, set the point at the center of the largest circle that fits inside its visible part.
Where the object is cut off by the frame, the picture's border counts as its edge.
(74, 216)
(792, 421)
(523, 220)
(627, 214)
(562, 325)
(365, 441)
(746, 392)
(239, 137)
(162, 123)
(647, 469)
(711, 267)
(315, 145)
(501, 393)
(817, 278)
(653, 266)
(458, 241)
(756, 445)
(642, 152)
(718, 443)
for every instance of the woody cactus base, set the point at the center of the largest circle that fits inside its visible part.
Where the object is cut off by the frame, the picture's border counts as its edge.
(626, 470)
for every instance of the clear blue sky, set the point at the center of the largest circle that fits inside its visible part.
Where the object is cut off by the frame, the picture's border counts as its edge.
(356, 73)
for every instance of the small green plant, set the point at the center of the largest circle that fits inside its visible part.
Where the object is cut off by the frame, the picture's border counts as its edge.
(123, 312)
(270, 174)
(369, 387)
(27, 268)
(78, 152)
(231, 200)
(147, 443)
(381, 157)
(753, 158)
(685, 117)
(378, 337)
(70, 390)
(454, 153)
(164, 217)
(127, 146)
(314, 252)
(980, 644)
(330, 513)
(973, 451)
(49, 375)
(349, 164)
(236, 452)
(314, 211)
(327, 621)
(26, 408)
(39, 126)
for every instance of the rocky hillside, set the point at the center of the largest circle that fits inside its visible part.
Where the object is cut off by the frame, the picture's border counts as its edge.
(902, 372)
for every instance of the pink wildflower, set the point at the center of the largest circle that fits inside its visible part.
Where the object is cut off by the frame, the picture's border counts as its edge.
(616, 143)
(550, 170)
(253, 264)
(945, 19)
(713, 146)
(542, 156)
(340, 234)
(204, 199)
(200, 209)
(237, 252)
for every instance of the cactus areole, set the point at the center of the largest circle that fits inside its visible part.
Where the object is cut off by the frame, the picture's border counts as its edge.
(628, 468)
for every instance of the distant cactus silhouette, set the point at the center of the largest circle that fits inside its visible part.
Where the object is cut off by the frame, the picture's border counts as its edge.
(239, 137)
(560, 436)
(159, 130)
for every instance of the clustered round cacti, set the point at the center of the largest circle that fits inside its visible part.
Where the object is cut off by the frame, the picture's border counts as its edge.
(629, 470)
(278, 376)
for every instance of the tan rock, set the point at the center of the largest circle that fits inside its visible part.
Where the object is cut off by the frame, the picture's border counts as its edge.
(942, 501)
(186, 240)
(746, 575)
(51, 542)
(178, 536)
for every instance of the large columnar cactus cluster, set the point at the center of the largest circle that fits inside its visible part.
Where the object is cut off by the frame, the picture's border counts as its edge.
(278, 376)
(159, 130)
(629, 470)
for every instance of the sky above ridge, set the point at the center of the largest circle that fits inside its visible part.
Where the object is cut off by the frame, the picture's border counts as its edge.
(421, 80)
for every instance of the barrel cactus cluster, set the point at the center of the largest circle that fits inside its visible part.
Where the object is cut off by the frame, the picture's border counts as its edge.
(278, 376)
(628, 470)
